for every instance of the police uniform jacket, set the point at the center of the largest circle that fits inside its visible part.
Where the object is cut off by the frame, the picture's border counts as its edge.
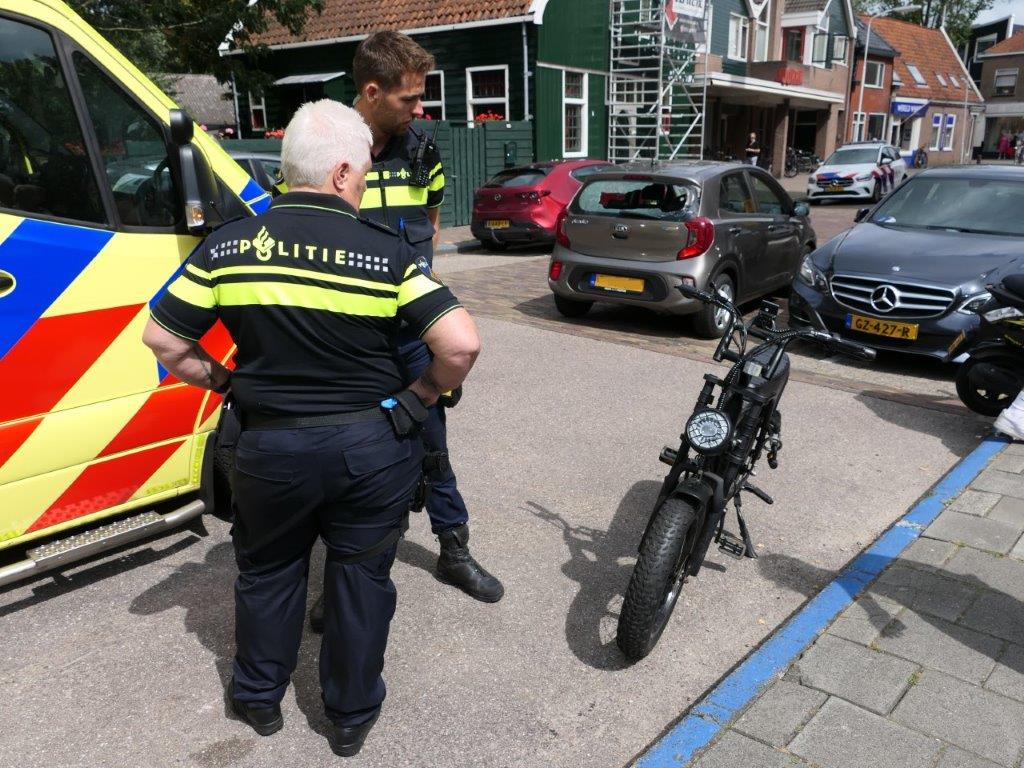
(390, 198)
(313, 297)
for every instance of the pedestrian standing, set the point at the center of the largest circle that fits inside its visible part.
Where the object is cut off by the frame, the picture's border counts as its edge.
(1004, 146)
(753, 149)
(313, 296)
(405, 189)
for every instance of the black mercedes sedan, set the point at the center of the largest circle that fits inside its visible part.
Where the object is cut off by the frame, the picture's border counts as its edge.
(906, 275)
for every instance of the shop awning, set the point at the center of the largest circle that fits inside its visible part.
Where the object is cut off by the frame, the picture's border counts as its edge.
(317, 77)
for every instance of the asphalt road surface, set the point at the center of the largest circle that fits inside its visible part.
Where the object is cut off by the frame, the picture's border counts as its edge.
(123, 660)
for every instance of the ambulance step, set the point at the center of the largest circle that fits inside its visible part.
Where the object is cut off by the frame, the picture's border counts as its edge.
(95, 540)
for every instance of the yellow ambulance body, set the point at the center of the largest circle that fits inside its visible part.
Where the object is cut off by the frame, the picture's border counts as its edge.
(94, 223)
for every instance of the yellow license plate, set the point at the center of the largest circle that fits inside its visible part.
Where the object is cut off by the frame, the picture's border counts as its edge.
(618, 284)
(885, 328)
(957, 342)
(498, 223)
(834, 188)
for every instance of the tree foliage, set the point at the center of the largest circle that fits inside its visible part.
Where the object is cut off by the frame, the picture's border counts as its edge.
(955, 15)
(185, 35)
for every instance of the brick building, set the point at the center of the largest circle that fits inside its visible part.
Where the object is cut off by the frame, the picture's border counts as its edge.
(935, 104)
(1001, 68)
(780, 69)
(872, 123)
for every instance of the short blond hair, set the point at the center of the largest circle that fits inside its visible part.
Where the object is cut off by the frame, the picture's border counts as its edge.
(321, 135)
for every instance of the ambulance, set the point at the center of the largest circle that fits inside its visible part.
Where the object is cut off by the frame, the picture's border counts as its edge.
(105, 189)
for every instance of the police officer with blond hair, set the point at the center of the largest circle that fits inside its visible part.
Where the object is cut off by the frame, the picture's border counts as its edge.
(313, 297)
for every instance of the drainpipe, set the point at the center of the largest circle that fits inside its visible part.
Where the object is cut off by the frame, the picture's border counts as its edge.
(234, 95)
(848, 121)
(526, 76)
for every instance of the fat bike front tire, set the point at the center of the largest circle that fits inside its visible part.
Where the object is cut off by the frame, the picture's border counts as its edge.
(657, 579)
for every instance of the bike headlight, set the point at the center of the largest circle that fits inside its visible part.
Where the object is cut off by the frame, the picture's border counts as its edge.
(810, 274)
(974, 303)
(708, 431)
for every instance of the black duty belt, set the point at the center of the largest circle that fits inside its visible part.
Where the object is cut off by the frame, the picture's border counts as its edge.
(262, 421)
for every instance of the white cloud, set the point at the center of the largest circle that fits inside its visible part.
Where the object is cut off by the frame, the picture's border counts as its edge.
(1002, 9)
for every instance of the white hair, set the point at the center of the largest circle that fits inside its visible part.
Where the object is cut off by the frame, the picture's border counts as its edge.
(321, 135)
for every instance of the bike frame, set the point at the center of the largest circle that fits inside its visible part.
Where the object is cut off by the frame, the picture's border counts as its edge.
(749, 394)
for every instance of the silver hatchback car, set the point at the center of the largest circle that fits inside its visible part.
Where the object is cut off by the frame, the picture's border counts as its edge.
(633, 234)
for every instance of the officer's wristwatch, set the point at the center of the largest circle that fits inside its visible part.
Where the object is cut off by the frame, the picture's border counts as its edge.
(223, 388)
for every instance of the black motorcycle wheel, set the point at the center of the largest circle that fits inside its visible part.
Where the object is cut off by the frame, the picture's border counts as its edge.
(657, 579)
(988, 401)
(791, 171)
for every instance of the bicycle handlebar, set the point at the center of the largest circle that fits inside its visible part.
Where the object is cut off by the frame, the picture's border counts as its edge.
(833, 342)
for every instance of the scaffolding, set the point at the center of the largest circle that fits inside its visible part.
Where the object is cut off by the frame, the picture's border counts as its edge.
(657, 89)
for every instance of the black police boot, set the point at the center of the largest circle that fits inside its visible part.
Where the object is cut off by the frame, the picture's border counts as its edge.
(263, 720)
(346, 741)
(316, 615)
(457, 567)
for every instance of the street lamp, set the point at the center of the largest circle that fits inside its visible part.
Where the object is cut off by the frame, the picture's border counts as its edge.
(864, 69)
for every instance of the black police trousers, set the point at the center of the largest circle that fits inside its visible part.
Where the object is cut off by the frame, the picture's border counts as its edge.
(351, 485)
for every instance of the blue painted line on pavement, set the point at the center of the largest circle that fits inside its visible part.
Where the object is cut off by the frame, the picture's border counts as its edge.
(718, 708)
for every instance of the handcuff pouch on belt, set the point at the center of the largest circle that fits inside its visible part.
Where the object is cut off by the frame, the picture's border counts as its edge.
(407, 415)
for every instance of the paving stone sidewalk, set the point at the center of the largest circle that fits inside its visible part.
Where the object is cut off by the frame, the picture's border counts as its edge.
(926, 669)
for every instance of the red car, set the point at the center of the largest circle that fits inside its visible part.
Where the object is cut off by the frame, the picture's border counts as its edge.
(521, 205)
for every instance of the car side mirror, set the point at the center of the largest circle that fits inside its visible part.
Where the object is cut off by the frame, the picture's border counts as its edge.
(801, 209)
(885, 161)
(198, 185)
(861, 215)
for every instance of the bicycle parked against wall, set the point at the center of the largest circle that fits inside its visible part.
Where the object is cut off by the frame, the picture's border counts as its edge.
(800, 161)
(719, 449)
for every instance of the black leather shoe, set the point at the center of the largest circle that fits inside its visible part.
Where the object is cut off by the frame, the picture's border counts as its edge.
(316, 615)
(346, 741)
(457, 567)
(263, 720)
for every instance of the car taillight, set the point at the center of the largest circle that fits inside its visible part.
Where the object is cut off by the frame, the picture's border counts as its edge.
(535, 196)
(556, 270)
(700, 236)
(560, 237)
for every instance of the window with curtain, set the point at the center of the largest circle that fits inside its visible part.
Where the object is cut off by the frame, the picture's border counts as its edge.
(947, 132)
(739, 34)
(936, 132)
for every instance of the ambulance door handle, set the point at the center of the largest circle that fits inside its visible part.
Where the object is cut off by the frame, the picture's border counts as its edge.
(7, 283)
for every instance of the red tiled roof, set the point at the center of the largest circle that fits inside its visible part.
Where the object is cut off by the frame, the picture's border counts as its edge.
(931, 52)
(1014, 44)
(345, 18)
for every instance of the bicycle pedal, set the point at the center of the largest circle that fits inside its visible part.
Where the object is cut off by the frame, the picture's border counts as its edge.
(731, 544)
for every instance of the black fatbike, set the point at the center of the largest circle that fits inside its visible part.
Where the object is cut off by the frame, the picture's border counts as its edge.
(719, 449)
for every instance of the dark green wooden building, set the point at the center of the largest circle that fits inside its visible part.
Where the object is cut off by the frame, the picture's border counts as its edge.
(544, 62)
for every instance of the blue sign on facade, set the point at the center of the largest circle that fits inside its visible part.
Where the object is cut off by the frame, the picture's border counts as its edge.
(906, 109)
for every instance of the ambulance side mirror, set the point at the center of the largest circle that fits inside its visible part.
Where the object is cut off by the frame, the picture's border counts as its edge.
(197, 184)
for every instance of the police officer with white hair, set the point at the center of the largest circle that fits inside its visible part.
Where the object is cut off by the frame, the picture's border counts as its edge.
(313, 296)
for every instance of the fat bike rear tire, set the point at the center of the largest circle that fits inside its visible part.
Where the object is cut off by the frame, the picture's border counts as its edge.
(657, 579)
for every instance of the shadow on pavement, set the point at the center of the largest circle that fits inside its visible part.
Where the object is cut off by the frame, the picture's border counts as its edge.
(206, 592)
(601, 563)
(909, 583)
(56, 583)
(959, 431)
